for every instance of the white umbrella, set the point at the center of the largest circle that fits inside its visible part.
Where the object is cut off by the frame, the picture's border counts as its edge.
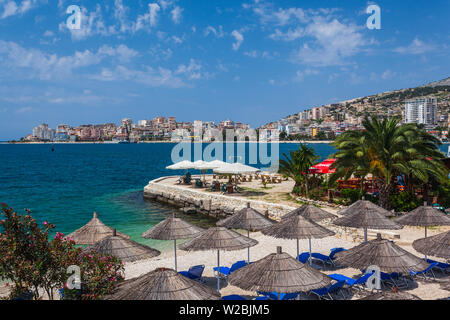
(235, 168)
(212, 165)
(181, 165)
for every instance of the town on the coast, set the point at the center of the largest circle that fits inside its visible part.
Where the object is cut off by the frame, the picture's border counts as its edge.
(428, 106)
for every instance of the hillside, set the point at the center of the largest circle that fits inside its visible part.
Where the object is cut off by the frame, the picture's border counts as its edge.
(389, 103)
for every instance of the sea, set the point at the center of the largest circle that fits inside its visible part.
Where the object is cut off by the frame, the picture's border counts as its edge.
(65, 183)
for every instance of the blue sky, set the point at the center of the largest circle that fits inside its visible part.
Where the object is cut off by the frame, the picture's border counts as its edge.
(252, 61)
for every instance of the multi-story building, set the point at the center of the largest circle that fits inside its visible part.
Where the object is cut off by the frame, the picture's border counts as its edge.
(421, 111)
(43, 132)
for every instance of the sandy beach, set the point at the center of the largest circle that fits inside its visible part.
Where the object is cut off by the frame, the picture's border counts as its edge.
(428, 290)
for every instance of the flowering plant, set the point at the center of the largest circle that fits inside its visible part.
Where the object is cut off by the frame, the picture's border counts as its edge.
(31, 262)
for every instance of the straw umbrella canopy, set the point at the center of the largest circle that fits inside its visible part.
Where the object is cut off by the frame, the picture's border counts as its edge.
(391, 295)
(94, 231)
(218, 238)
(311, 212)
(298, 227)
(172, 228)
(163, 284)
(437, 246)
(247, 219)
(383, 253)
(278, 272)
(364, 205)
(424, 216)
(125, 249)
(365, 214)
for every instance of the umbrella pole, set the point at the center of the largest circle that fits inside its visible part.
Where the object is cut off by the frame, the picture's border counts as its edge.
(425, 237)
(298, 250)
(175, 249)
(218, 274)
(248, 236)
(365, 235)
(310, 258)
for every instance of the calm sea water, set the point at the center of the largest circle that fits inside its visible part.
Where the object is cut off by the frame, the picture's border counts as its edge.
(65, 186)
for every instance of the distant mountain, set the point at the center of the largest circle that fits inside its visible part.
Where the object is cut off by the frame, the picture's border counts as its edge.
(440, 83)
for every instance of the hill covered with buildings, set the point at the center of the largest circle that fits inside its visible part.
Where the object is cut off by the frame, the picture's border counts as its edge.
(427, 105)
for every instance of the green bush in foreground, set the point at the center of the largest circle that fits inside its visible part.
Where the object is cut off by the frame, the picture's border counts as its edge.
(32, 264)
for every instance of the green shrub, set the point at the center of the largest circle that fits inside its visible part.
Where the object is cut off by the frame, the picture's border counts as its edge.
(352, 195)
(404, 201)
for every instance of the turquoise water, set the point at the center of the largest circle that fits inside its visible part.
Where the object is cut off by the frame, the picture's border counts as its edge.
(65, 186)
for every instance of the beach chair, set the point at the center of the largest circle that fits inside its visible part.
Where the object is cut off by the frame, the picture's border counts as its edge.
(423, 273)
(358, 283)
(261, 298)
(194, 273)
(303, 257)
(225, 271)
(327, 259)
(325, 293)
(441, 266)
(283, 296)
(234, 297)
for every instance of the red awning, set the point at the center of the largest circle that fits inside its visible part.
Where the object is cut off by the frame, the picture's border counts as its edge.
(323, 167)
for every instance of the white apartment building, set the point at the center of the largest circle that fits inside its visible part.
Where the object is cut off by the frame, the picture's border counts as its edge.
(43, 132)
(421, 111)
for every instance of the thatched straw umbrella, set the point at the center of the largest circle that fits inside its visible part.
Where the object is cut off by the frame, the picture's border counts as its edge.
(163, 284)
(173, 228)
(391, 295)
(365, 214)
(93, 231)
(311, 212)
(247, 219)
(298, 227)
(382, 253)
(424, 216)
(125, 249)
(278, 272)
(218, 238)
(437, 246)
(364, 205)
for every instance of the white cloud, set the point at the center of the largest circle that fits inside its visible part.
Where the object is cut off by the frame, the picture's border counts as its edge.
(417, 46)
(24, 110)
(176, 14)
(333, 41)
(239, 39)
(211, 30)
(388, 74)
(289, 35)
(11, 8)
(37, 64)
(300, 75)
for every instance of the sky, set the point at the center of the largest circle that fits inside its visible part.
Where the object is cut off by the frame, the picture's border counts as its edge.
(252, 61)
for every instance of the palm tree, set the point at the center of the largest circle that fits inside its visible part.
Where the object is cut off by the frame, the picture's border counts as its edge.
(387, 149)
(297, 165)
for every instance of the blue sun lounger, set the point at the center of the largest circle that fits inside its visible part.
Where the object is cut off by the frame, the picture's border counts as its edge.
(350, 282)
(225, 271)
(444, 267)
(233, 297)
(194, 273)
(327, 259)
(283, 296)
(424, 272)
(303, 257)
(325, 293)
